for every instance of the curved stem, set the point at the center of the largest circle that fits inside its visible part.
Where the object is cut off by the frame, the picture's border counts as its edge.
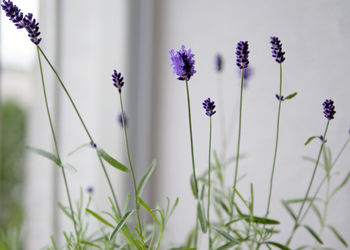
(84, 126)
(56, 149)
(131, 166)
(191, 138)
(239, 139)
(276, 144)
(297, 223)
(209, 185)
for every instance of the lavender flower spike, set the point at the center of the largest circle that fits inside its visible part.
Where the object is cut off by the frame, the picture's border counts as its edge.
(118, 80)
(242, 55)
(209, 107)
(218, 63)
(32, 28)
(328, 109)
(13, 12)
(276, 49)
(183, 63)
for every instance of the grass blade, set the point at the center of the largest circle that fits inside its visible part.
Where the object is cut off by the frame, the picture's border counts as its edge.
(201, 216)
(145, 178)
(98, 217)
(121, 223)
(340, 238)
(314, 234)
(113, 162)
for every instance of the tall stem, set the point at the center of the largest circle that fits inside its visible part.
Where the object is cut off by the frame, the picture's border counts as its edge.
(131, 166)
(56, 148)
(209, 185)
(191, 138)
(84, 126)
(276, 143)
(323, 180)
(296, 225)
(239, 139)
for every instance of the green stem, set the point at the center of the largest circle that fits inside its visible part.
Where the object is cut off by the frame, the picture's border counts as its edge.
(191, 138)
(323, 180)
(297, 223)
(131, 166)
(239, 139)
(84, 126)
(276, 144)
(209, 185)
(56, 148)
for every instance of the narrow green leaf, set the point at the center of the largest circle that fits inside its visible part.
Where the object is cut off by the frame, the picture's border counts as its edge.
(113, 162)
(218, 164)
(126, 204)
(69, 167)
(317, 212)
(233, 221)
(225, 246)
(300, 200)
(89, 244)
(45, 154)
(261, 220)
(65, 210)
(53, 243)
(193, 187)
(202, 192)
(201, 216)
(146, 207)
(121, 223)
(145, 178)
(226, 235)
(340, 238)
(98, 217)
(290, 96)
(310, 139)
(326, 162)
(174, 206)
(276, 244)
(223, 205)
(79, 148)
(314, 234)
(289, 210)
(341, 185)
(241, 197)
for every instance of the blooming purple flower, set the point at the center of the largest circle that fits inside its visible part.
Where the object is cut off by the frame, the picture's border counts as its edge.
(120, 120)
(27, 22)
(276, 49)
(32, 28)
(118, 80)
(13, 13)
(242, 55)
(209, 107)
(183, 63)
(280, 98)
(218, 62)
(328, 109)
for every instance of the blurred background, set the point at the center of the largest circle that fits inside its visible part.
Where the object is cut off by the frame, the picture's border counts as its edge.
(86, 40)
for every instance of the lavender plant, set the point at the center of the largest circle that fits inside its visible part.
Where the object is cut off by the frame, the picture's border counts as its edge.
(229, 218)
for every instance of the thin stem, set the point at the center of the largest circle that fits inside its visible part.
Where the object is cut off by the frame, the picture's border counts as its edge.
(222, 116)
(239, 139)
(323, 180)
(297, 223)
(84, 126)
(56, 148)
(276, 144)
(209, 185)
(191, 138)
(131, 166)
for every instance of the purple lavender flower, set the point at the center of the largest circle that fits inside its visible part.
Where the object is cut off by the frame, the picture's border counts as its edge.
(32, 28)
(276, 49)
(13, 12)
(280, 98)
(209, 107)
(328, 109)
(90, 190)
(118, 80)
(93, 144)
(242, 55)
(218, 62)
(27, 22)
(183, 63)
(120, 120)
